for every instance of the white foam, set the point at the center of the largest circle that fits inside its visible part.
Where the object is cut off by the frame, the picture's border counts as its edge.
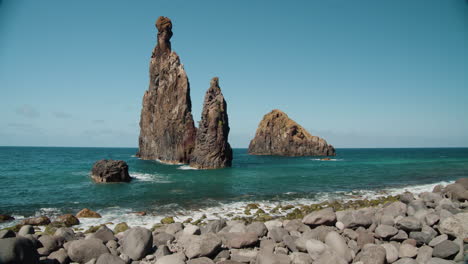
(186, 167)
(327, 159)
(147, 177)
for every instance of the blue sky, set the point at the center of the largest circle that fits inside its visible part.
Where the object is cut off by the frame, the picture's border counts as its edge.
(361, 73)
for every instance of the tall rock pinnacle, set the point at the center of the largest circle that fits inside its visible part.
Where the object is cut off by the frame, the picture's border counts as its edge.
(212, 149)
(167, 130)
(277, 134)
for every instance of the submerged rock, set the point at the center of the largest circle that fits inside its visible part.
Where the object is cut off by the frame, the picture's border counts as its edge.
(212, 149)
(167, 130)
(277, 134)
(110, 171)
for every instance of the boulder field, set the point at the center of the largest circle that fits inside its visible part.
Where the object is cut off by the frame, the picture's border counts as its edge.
(430, 227)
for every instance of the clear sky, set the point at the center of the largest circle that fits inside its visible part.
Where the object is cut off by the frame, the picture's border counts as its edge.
(362, 73)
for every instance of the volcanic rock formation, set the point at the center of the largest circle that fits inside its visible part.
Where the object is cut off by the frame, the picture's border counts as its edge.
(212, 149)
(110, 171)
(167, 130)
(277, 134)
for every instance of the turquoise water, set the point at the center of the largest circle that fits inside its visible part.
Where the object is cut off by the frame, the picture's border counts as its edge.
(40, 180)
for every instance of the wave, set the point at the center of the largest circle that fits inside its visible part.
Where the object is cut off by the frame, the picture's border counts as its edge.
(147, 177)
(327, 159)
(186, 167)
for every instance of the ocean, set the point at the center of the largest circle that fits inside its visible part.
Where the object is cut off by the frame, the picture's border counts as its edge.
(56, 180)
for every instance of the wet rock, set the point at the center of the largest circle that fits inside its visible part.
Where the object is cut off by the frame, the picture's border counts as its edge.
(86, 213)
(68, 220)
(18, 250)
(110, 171)
(445, 249)
(137, 242)
(6, 218)
(36, 221)
(212, 149)
(371, 254)
(277, 134)
(82, 251)
(325, 216)
(167, 130)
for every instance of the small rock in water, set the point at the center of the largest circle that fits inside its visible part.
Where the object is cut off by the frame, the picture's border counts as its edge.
(110, 171)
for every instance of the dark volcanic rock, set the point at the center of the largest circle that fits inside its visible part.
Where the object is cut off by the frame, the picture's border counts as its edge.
(212, 149)
(167, 130)
(110, 171)
(277, 134)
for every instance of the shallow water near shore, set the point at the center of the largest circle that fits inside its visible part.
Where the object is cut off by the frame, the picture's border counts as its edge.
(54, 181)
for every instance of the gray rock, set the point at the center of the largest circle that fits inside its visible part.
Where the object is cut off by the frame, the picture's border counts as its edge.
(296, 225)
(163, 238)
(456, 225)
(437, 240)
(409, 224)
(406, 197)
(424, 254)
(269, 258)
(385, 231)
(395, 209)
(300, 258)
(456, 192)
(421, 237)
(178, 258)
(351, 234)
(137, 242)
(387, 220)
(174, 228)
(240, 240)
(400, 236)
(110, 171)
(112, 245)
(463, 182)
(431, 219)
(267, 245)
(205, 245)
(445, 249)
(104, 234)
(109, 259)
(281, 250)
(415, 206)
(355, 218)
(238, 228)
(192, 230)
(203, 260)
(66, 233)
(18, 250)
(405, 261)
(338, 244)
(258, 228)
(213, 226)
(365, 237)
(407, 251)
(162, 251)
(439, 261)
(391, 252)
(244, 255)
(329, 257)
(85, 250)
(315, 248)
(289, 242)
(371, 254)
(273, 223)
(26, 230)
(49, 244)
(60, 256)
(7, 233)
(277, 234)
(325, 216)
(222, 255)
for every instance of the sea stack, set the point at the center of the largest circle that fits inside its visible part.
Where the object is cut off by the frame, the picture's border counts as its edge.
(167, 130)
(212, 149)
(277, 134)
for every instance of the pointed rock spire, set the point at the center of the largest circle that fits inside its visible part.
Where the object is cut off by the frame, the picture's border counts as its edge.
(277, 134)
(212, 149)
(167, 130)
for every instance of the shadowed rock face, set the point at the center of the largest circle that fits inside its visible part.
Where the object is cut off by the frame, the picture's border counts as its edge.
(167, 130)
(212, 149)
(110, 171)
(277, 134)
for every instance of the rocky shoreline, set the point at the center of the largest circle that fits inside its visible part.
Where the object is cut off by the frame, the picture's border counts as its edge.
(430, 227)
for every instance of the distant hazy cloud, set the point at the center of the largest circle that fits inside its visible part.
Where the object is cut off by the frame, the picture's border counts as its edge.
(27, 111)
(60, 114)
